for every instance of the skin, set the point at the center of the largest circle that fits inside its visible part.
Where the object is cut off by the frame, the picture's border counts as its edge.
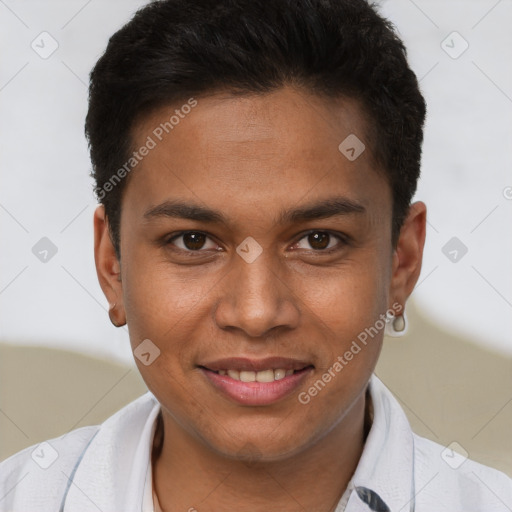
(251, 158)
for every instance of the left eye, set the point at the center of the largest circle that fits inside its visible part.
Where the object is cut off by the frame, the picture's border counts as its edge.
(320, 240)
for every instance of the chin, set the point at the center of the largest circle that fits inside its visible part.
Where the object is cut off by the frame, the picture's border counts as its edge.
(260, 447)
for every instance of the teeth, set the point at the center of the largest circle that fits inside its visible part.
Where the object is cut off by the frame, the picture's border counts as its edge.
(247, 376)
(263, 376)
(279, 374)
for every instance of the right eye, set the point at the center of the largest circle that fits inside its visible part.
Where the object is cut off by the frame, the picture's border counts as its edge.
(190, 241)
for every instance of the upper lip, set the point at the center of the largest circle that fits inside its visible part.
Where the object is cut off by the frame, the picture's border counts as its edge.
(256, 365)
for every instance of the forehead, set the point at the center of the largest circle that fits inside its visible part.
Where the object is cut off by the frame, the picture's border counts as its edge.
(274, 150)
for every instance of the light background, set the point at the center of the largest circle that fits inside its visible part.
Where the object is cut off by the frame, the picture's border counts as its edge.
(46, 191)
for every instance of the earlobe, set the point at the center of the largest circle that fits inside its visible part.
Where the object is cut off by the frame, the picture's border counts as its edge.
(408, 256)
(108, 268)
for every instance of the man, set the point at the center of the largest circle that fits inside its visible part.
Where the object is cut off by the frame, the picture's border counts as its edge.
(255, 163)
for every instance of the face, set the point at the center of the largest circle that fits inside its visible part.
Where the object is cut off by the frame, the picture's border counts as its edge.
(249, 241)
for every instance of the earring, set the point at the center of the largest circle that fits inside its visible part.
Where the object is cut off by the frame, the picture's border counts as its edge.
(396, 326)
(112, 318)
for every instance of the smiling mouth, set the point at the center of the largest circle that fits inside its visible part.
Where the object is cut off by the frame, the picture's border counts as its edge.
(268, 375)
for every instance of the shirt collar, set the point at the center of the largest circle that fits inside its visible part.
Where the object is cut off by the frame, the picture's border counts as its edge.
(384, 475)
(116, 459)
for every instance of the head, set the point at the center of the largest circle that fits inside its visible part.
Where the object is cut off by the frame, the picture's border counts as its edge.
(255, 163)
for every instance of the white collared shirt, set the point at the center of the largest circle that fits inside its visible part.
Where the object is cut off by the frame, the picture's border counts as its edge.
(107, 467)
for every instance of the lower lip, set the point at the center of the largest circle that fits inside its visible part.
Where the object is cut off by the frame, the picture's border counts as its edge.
(257, 393)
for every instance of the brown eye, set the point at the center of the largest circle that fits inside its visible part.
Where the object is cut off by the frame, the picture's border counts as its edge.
(191, 241)
(194, 241)
(320, 241)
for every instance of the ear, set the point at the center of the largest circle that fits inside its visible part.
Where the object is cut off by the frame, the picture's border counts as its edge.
(108, 267)
(408, 255)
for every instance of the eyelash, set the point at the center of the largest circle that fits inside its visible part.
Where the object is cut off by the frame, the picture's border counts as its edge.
(343, 239)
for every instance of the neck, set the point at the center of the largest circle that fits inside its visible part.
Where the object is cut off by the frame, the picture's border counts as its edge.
(186, 476)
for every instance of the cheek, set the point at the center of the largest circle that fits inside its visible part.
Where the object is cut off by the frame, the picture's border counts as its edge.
(345, 311)
(349, 297)
(158, 295)
(167, 306)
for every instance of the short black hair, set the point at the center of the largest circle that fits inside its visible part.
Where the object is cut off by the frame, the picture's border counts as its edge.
(172, 50)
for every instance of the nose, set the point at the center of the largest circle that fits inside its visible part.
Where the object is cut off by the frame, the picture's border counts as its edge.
(256, 298)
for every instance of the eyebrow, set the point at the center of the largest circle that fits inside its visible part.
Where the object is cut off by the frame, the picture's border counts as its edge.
(326, 208)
